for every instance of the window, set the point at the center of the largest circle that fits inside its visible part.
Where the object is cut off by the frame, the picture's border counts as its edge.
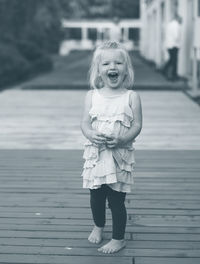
(73, 33)
(134, 34)
(92, 33)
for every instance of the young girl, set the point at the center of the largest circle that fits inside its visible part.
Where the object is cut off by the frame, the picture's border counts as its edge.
(112, 120)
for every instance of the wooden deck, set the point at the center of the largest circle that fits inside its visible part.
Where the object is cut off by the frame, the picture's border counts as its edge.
(45, 214)
(51, 120)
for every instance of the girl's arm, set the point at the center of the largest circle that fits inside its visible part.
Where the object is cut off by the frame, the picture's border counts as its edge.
(86, 127)
(134, 131)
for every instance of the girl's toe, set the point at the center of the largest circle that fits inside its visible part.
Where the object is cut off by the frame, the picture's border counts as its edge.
(106, 250)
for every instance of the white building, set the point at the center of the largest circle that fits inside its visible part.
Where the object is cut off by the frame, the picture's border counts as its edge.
(155, 14)
(85, 34)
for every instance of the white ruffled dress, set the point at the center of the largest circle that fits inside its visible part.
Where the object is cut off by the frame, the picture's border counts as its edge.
(111, 115)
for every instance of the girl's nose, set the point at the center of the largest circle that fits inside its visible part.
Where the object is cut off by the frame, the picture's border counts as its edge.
(112, 65)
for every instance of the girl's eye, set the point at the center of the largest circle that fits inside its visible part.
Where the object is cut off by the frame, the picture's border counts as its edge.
(119, 63)
(105, 63)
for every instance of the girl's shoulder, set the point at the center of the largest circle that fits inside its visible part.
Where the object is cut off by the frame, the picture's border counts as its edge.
(88, 98)
(89, 94)
(92, 96)
(133, 94)
(134, 98)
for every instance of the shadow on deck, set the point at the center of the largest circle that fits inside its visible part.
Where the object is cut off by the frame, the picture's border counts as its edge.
(45, 213)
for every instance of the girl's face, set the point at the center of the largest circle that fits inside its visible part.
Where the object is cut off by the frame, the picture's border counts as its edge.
(112, 68)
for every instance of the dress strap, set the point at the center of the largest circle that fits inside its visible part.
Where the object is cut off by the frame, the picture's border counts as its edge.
(128, 97)
(94, 95)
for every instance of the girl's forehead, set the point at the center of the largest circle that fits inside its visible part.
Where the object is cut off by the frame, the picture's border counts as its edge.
(112, 54)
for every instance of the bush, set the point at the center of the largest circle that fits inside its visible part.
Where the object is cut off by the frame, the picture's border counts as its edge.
(29, 50)
(21, 60)
(39, 60)
(14, 67)
(48, 39)
(43, 64)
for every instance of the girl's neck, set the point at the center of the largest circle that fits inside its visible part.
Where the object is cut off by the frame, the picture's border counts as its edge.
(107, 91)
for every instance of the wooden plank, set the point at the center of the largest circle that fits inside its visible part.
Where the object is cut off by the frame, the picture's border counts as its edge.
(84, 243)
(74, 251)
(83, 197)
(54, 234)
(155, 260)
(143, 220)
(85, 213)
(192, 205)
(50, 188)
(79, 225)
(85, 220)
(64, 176)
(61, 209)
(44, 259)
(131, 203)
(84, 235)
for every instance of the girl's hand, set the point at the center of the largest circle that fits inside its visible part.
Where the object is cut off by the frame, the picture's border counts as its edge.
(113, 142)
(97, 138)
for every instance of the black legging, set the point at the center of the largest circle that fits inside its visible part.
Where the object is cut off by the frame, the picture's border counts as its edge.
(116, 204)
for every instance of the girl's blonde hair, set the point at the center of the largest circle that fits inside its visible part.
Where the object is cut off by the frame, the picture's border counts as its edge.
(94, 77)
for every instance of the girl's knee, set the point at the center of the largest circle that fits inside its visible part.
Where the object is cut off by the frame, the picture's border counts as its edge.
(116, 205)
(116, 199)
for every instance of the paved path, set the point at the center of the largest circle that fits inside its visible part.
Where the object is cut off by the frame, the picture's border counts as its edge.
(46, 218)
(49, 119)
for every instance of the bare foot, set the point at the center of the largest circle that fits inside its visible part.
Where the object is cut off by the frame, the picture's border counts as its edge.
(96, 235)
(113, 246)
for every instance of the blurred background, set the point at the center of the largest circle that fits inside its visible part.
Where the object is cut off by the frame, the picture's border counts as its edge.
(45, 53)
(33, 33)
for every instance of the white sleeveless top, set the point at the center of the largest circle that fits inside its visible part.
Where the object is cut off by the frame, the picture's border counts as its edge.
(111, 115)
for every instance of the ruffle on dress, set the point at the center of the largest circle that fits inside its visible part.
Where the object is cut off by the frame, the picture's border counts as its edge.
(117, 114)
(113, 167)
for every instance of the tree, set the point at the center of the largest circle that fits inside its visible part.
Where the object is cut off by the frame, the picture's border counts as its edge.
(126, 8)
(38, 21)
(100, 8)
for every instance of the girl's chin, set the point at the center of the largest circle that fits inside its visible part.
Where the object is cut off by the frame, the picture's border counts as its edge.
(114, 84)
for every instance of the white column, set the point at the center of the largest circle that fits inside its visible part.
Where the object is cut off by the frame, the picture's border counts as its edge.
(125, 34)
(84, 33)
(143, 17)
(85, 41)
(194, 74)
(148, 37)
(151, 36)
(196, 54)
(168, 14)
(158, 34)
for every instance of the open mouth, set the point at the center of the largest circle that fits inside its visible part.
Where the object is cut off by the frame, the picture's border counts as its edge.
(113, 76)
